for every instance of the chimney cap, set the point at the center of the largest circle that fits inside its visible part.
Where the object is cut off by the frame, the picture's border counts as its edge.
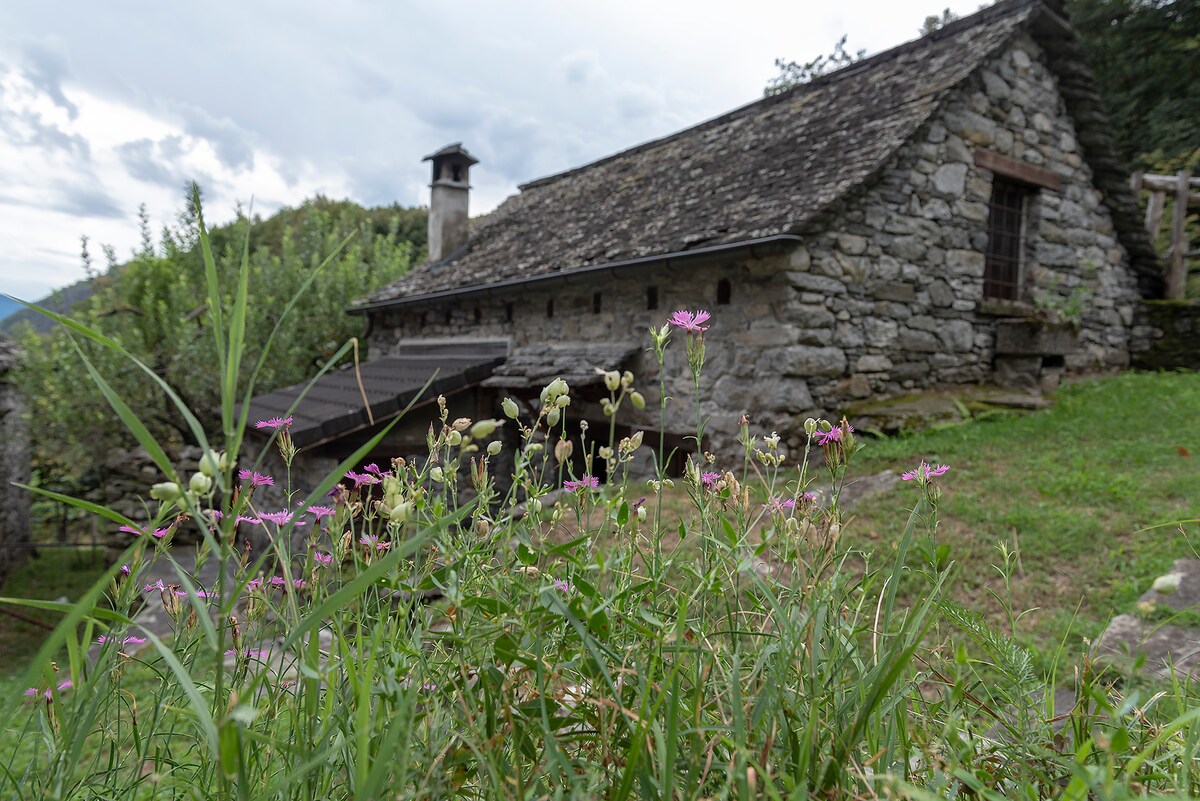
(454, 149)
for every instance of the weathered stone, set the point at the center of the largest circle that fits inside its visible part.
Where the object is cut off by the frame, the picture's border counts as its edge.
(940, 294)
(802, 360)
(851, 244)
(895, 291)
(856, 386)
(872, 364)
(1033, 338)
(816, 283)
(918, 341)
(957, 335)
(950, 179)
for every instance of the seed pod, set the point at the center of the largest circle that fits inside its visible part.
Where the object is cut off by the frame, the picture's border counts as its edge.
(510, 408)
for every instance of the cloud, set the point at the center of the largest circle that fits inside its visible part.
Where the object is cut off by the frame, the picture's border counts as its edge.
(66, 198)
(162, 162)
(229, 141)
(45, 66)
(582, 67)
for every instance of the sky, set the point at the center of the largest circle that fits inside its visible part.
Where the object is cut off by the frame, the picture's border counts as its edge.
(108, 106)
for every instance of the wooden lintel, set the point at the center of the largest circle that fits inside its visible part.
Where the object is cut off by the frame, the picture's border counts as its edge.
(1016, 169)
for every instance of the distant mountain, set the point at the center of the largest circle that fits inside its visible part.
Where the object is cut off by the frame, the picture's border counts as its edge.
(60, 301)
(7, 306)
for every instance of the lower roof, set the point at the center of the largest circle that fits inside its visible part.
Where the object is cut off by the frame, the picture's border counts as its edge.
(333, 405)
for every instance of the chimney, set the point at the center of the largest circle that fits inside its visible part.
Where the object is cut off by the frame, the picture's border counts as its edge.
(448, 201)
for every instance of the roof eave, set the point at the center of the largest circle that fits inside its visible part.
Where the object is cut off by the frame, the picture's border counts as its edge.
(760, 246)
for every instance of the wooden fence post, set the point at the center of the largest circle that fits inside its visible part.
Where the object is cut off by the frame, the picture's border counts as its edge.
(1177, 267)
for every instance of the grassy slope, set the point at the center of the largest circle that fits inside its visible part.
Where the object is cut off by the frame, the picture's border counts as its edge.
(1075, 488)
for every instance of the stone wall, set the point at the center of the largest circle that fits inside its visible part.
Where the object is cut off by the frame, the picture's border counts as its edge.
(885, 295)
(1166, 335)
(14, 465)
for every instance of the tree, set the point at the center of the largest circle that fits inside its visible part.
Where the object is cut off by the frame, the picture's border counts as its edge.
(935, 23)
(149, 305)
(1144, 55)
(793, 73)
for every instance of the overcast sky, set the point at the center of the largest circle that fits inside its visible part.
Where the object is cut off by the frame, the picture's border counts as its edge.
(104, 106)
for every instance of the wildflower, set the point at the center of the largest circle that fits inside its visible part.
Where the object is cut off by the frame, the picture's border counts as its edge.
(828, 437)
(199, 594)
(429, 686)
(256, 479)
(245, 519)
(157, 586)
(689, 321)
(924, 472)
(587, 482)
(47, 694)
(279, 518)
(133, 641)
(372, 541)
(157, 533)
(321, 511)
(254, 583)
(125, 570)
(562, 585)
(274, 423)
(780, 505)
(278, 581)
(299, 583)
(360, 479)
(709, 479)
(373, 469)
(322, 558)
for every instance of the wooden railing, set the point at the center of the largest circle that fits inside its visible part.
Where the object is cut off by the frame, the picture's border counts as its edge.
(1185, 190)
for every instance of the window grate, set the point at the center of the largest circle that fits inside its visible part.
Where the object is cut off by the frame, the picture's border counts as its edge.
(1006, 229)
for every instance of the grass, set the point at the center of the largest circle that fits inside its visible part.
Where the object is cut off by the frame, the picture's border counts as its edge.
(1080, 492)
(54, 573)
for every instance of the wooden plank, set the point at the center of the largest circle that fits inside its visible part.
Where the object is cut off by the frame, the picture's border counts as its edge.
(1135, 181)
(1177, 267)
(1166, 182)
(1154, 214)
(1018, 170)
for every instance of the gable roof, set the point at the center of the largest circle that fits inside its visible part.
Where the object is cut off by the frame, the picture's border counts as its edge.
(766, 169)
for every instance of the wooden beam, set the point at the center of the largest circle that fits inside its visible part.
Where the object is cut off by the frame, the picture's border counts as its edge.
(1154, 214)
(1017, 170)
(1177, 267)
(1167, 182)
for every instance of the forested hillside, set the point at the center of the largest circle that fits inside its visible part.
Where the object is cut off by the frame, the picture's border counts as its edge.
(152, 305)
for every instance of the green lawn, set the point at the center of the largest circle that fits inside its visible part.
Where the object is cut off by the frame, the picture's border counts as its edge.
(1081, 491)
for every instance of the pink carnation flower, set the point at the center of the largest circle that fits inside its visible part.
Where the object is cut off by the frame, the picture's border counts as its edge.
(924, 472)
(274, 423)
(690, 321)
(587, 482)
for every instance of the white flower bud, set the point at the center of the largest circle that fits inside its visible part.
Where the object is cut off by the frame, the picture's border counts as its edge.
(553, 416)
(510, 408)
(437, 475)
(810, 426)
(612, 380)
(485, 428)
(535, 505)
(562, 401)
(166, 491)
(211, 463)
(454, 439)
(641, 513)
(638, 401)
(493, 448)
(606, 452)
(461, 424)
(559, 387)
(200, 484)
(626, 379)
(635, 441)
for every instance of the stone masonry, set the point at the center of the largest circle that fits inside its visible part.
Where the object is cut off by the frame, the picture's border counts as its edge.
(883, 296)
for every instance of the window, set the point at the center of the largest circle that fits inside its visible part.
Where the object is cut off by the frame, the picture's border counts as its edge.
(596, 303)
(508, 312)
(724, 292)
(478, 314)
(651, 298)
(1006, 239)
(550, 307)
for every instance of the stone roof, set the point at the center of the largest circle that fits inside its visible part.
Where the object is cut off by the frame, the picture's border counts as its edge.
(333, 405)
(534, 366)
(768, 168)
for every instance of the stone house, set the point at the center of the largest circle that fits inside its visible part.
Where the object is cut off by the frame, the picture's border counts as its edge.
(915, 219)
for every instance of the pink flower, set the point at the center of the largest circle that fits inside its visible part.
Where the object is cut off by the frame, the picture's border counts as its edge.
(275, 423)
(780, 505)
(199, 594)
(157, 586)
(158, 533)
(47, 694)
(278, 581)
(279, 518)
(125, 571)
(133, 641)
(587, 482)
(924, 472)
(374, 470)
(253, 584)
(372, 541)
(256, 479)
(689, 321)
(429, 686)
(361, 478)
(322, 558)
(710, 478)
(562, 585)
(321, 511)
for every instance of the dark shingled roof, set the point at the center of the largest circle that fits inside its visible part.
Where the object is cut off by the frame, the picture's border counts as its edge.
(334, 405)
(535, 366)
(767, 168)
